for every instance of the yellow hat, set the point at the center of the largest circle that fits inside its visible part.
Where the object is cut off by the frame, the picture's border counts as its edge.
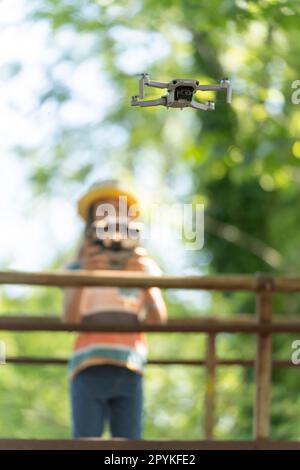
(102, 190)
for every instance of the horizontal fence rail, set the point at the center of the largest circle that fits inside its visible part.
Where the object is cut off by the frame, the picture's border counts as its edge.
(127, 279)
(124, 444)
(181, 325)
(32, 360)
(65, 278)
(131, 444)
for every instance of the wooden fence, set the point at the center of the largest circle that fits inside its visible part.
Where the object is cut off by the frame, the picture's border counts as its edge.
(260, 324)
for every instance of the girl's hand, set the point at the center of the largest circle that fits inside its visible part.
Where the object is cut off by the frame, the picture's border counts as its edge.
(136, 262)
(91, 258)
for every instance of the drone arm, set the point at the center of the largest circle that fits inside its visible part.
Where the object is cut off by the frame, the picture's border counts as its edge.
(144, 80)
(209, 106)
(156, 84)
(209, 87)
(224, 85)
(158, 102)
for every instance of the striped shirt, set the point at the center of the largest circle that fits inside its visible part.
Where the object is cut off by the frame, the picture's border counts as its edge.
(111, 304)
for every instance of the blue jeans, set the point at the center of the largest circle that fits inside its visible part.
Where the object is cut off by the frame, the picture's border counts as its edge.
(110, 393)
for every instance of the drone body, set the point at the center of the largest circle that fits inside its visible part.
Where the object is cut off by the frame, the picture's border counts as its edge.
(180, 93)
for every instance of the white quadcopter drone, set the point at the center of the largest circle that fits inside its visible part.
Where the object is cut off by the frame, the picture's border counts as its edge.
(180, 93)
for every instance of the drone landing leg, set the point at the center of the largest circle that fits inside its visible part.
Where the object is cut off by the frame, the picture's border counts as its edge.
(144, 80)
(141, 87)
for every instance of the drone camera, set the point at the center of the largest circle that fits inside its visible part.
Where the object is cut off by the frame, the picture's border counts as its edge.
(184, 93)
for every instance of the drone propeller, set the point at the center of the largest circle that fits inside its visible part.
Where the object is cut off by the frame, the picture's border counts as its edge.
(141, 74)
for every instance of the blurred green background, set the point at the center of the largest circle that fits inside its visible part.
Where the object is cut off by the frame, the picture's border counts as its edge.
(67, 71)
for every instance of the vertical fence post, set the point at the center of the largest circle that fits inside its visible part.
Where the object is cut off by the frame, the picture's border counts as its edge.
(263, 361)
(210, 386)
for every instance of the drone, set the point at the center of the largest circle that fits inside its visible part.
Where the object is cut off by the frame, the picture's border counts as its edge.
(180, 93)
